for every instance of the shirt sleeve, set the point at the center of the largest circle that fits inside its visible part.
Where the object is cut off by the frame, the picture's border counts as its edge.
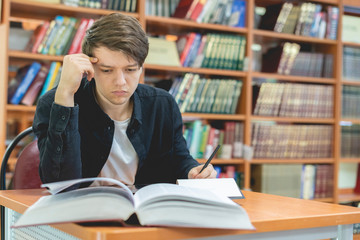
(56, 127)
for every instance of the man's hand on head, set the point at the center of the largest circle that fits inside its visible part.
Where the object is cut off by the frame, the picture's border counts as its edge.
(73, 70)
(208, 172)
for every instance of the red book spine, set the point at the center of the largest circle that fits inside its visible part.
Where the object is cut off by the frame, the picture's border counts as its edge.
(35, 87)
(40, 36)
(197, 10)
(187, 47)
(90, 23)
(78, 36)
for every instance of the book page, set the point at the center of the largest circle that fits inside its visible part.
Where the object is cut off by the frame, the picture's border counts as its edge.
(91, 204)
(167, 191)
(223, 186)
(174, 205)
(57, 187)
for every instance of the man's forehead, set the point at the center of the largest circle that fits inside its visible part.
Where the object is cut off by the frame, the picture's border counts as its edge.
(110, 58)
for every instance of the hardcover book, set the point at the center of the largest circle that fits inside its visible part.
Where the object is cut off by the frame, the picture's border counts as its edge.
(161, 204)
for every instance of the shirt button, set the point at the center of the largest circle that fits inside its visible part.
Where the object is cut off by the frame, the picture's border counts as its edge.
(63, 117)
(58, 149)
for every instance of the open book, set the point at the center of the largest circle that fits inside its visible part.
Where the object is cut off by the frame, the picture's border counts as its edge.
(160, 204)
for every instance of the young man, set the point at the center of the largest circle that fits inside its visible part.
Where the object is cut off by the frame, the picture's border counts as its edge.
(100, 121)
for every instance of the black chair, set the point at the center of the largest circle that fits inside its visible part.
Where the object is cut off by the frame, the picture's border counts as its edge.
(26, 174)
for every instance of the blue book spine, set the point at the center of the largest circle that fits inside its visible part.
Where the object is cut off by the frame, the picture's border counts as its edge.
(238, 11)
(48, 78)
(193, 51)
(25, 83)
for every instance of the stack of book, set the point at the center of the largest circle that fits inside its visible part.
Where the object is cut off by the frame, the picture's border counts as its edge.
(350, 139)
(202, 139)
(308, 181)
(117, 5)
(201, 95)
(351, 63)
(161, 8)
(306, 19)
(220, 51)
(60, 36)
(293, 100)
(292, 141)
(287, 59)
(32, 81)
(225, 12)
(350, 102)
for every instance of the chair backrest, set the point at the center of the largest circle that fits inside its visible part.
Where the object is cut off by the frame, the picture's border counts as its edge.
(26, 174)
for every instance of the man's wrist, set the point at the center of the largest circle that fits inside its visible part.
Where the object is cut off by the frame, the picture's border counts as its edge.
(64, 98)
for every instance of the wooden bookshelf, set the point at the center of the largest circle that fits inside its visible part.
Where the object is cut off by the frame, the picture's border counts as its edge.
(16, 9)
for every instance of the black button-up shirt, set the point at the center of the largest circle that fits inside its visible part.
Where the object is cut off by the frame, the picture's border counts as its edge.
(75, 142)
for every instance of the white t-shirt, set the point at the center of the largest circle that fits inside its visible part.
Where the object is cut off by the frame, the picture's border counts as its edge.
(123, 161)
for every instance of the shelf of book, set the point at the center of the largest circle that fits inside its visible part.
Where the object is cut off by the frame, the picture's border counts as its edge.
(350, 82)
(176, 25)
(34, 56)
(352, 3)
(290, 78)
(351, 120)
(293, 160)
(284, 36)
(213, 116)
(233, 161)
(351, 44)
(43, 10)
(294, 119)
(20, 108)
(348, 195)
(350, 160)
(208, 71)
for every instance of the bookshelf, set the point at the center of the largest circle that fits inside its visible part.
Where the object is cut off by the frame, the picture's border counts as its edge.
(348, 194)
(18, 9)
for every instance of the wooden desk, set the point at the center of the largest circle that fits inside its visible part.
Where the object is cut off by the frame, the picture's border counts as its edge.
(274, 217)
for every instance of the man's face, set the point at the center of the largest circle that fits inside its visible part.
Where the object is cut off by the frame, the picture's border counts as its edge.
(116, 76)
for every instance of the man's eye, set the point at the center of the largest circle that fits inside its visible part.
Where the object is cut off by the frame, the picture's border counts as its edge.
(131, 69)
(106, 70)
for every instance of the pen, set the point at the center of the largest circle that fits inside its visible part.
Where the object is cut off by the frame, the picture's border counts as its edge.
(210, 158)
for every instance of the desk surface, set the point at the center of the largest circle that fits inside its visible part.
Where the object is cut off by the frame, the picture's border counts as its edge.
(267, 213)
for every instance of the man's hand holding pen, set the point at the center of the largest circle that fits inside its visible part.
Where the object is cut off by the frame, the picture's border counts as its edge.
(206, 170)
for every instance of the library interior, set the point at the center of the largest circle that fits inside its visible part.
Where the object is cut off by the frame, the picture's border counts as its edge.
(275, 83)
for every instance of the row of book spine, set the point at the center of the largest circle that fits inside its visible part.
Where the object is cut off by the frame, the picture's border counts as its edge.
(294, 100)
(195, 94)
(60, 36)
(287, 59)
(220, 51)
(350, 139)
(351, 63)
(292, 141)
(306, 19)
(32, 81)
(308, 181)
(117, 5)
(225, 12)
(350, 102)
(202, 139)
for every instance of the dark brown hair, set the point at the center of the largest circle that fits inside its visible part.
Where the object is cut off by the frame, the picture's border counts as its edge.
(117, 32)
